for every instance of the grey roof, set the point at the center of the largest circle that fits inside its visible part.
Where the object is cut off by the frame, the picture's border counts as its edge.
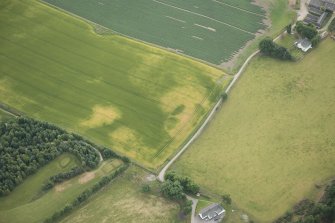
(326, 4)
(305, 42)
(211, 211)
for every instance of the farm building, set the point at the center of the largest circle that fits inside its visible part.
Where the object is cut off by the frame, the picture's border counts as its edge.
(212, 212)
(324, 5)
(317, 20)
(318, 11)
(304, 44)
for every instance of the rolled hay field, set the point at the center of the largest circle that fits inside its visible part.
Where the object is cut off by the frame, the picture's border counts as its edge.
(137, 99)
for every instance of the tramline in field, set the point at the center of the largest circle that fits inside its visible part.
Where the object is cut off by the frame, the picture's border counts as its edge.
(208, 30)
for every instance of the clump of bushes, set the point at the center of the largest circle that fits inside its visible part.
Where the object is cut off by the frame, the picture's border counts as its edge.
(175, 187)
(187, 185)
(146, 188)
(308, 31)
(269, 48)
(226, 199)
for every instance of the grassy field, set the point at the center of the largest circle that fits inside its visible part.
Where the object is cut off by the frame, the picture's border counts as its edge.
(273, 140)
(123, 201)
(27, 204)
(204, 29)
(137, 99)
(5, 116)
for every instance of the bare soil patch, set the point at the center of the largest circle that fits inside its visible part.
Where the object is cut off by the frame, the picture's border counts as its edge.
(86, 177)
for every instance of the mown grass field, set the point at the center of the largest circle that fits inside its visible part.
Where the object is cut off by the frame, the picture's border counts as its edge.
(123, 201)
(140, 100)
(209, 30)
(27, 204)
(273, 140)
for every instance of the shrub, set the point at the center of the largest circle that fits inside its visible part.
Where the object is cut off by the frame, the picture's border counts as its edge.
(226, 199)
(188, 185)
(172, 190)
(270, 48)
(187, 207)
(146, 188)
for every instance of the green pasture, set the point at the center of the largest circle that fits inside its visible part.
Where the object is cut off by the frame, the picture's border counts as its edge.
(208, 30)
(139, 100)
(123, 201)
(5, 116)
(27, 204)
(273, 139)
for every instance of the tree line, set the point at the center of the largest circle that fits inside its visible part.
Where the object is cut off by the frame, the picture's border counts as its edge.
(86, 194)
(308, 211)
(26, 145)
(175, 187)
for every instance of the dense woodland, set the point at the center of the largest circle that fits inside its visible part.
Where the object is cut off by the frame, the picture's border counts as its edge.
(308, 211)
(26, 145)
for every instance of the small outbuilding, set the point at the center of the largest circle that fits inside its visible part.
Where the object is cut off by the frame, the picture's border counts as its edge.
(304, 44)
(212, 212)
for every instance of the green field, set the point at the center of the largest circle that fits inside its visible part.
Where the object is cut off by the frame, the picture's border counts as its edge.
(209, 30)
(139, 100)
(123, 201)
(27, 204)
(4, 116)
(273, 140)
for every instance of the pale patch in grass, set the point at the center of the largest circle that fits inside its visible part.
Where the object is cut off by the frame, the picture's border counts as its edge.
(86, 177)
(102, 115)
(61, 187)
(143, 208)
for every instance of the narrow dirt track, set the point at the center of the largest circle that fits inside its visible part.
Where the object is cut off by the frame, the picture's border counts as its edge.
(161, 174)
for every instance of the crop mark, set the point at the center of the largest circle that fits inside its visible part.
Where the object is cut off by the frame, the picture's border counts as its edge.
(178, 20)
(197, 37)
(205, 27)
